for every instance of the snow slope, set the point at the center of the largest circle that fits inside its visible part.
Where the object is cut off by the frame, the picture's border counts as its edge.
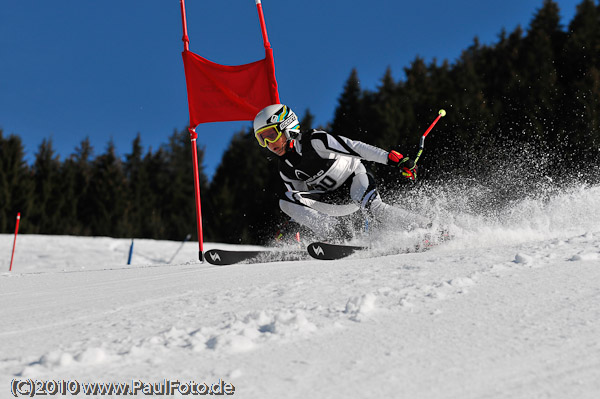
(509, 309)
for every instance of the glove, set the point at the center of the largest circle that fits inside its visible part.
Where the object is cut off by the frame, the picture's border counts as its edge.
(408, 166)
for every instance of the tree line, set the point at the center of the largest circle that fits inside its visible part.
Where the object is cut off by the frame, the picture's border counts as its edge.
(527, 105)
(139, 195)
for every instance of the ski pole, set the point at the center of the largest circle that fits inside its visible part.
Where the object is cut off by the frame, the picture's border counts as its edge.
(441, 114)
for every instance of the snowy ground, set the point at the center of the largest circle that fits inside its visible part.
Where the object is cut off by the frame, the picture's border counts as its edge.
(509, 309)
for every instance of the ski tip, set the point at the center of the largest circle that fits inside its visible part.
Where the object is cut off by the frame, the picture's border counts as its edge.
(317, 250)
(325, 251)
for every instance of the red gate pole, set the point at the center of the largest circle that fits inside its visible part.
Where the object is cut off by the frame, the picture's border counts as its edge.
(15, 241)
(185, 38)
(193, 138)
(263, 25)
(268, 54)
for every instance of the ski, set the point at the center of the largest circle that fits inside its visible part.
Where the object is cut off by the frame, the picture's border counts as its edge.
(318, 250)
(223, 257)
(326, 251)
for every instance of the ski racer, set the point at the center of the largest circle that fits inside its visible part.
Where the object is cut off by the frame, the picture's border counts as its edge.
(325, 177)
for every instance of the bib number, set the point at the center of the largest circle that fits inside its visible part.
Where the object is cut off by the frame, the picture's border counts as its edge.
(326, 184)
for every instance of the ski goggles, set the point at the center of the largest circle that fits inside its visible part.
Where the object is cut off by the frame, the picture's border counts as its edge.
(267, 134)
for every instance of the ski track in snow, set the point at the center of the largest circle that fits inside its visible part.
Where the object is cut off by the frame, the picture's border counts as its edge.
(502, 311)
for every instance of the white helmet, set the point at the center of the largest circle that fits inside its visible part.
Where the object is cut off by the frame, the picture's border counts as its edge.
(273, 121)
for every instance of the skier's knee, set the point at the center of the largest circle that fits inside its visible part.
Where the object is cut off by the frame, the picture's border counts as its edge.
(368, 198)
(292, 208)
(285, 205)
(364, 191)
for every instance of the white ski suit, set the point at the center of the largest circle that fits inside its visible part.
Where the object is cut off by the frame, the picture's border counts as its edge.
(326, 179)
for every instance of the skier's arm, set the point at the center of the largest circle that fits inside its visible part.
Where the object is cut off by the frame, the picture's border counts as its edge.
(327, 145)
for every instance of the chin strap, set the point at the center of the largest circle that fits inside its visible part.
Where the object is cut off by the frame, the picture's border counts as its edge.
(293, 134)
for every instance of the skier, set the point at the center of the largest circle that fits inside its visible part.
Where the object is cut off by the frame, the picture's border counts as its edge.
(325, 177)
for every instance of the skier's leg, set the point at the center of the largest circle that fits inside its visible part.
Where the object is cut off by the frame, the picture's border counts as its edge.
(395, 216)
(320, 223)
(364, 193)
(320, 217)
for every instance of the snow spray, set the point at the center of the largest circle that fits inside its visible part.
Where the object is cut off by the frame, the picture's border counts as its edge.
(15, 241)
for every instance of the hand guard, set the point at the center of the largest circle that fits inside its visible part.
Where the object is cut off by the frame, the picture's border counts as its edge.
(408, 166)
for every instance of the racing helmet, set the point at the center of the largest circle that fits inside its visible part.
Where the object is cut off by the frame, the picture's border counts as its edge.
(273, 121)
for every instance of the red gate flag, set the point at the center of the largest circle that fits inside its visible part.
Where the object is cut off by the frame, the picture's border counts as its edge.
(220, 93)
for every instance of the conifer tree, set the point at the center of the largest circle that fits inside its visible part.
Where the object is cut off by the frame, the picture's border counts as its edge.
(107, 193)
(67, 211)
(16, 184)
(580, 113)
(4, 186)
(468, 121)
(417, 90)
(385, 117)
(307, 121)
(48, 198)
(348, 115)
(244, 193)
(81, 163)
(504, 82)
(154, 223)
(540, 49)
(137, 182)
(178, 190)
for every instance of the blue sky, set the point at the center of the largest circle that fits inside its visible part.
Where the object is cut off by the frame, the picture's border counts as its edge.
(71, 69)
